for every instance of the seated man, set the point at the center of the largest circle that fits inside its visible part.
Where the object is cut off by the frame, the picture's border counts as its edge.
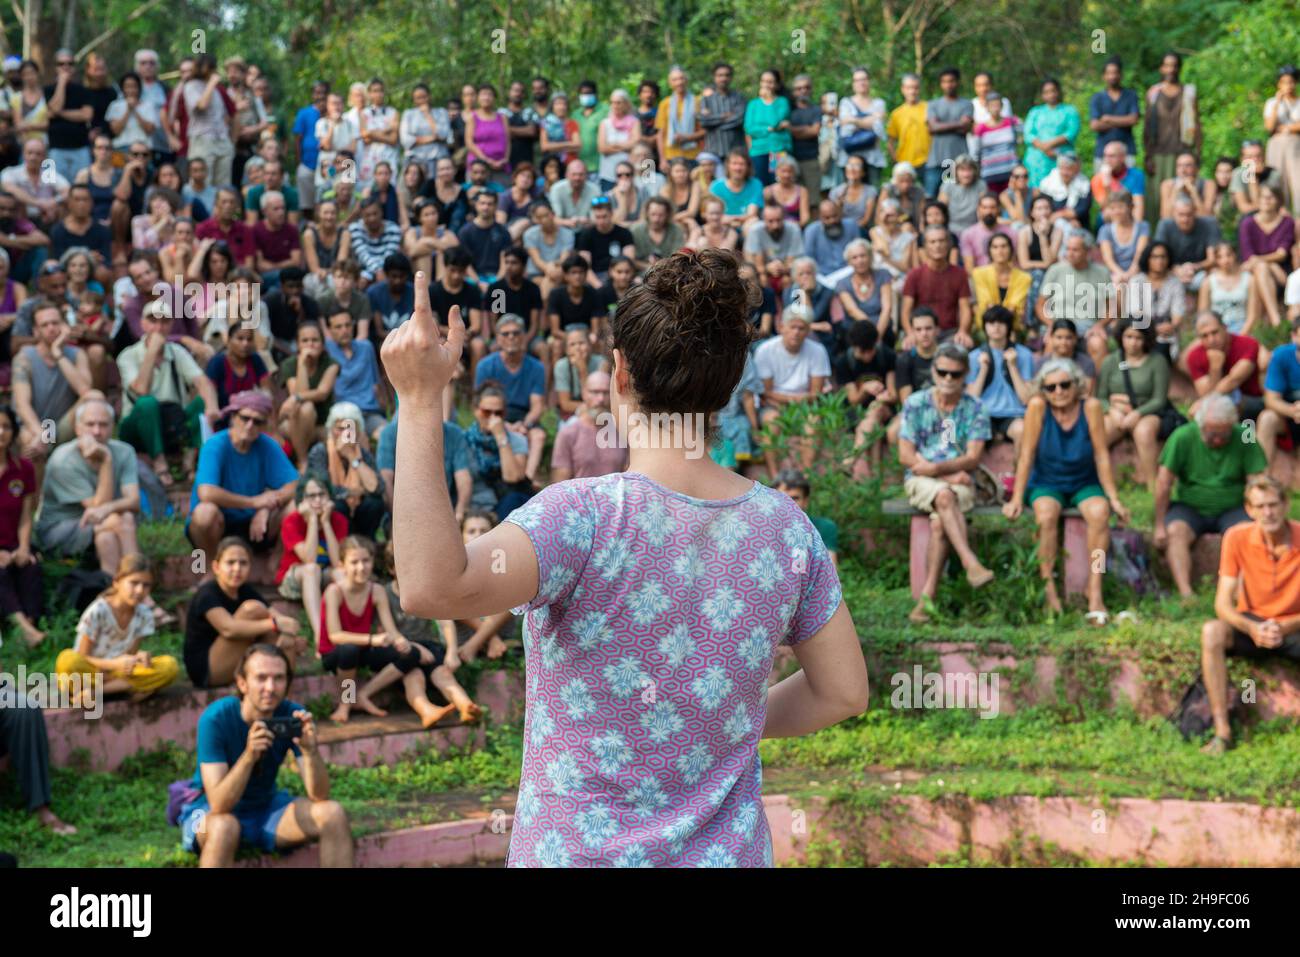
(793, 367)
(796, 485)
(774, 245)
(91, 492)
(226, 225)
(78, 228)
(515, 293)
(485, 240)
(373, 239)
(25, 245)
(25, 743)
(1281, 416)
(275, 240)
(939, 286)
(391, 301)
(1069, 191)
(1001, 378)
(1191, 240)
(1211, 459)
(244, 481)
(1076, 288)
(1224, 363)
(825, 241)
(912, 366)
(455, 458)
(523, 378)
(942, 438)
(571, 304)
(659, 235)
(1257, 605)
(288, 306)
(579, 451)
(601, 242)
(48, 380)
(163, 394)
(452, 289)
(866, 373)
(239, 756)
(358, 378)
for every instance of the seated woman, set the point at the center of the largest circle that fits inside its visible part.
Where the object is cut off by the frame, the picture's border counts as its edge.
(227, 615)
(491, 635)
(1158, 297)
(1135, 396)
(309, 378)
(1230, 292)
(109, 635)
(572, 371)
(445, 660)
(20, 571)
(497, 456)
(153, 230)
(1000, 372)
(1065, 462)
(310, 535)
(867, 293)
(349, 639)
(1000, 282)
(345, 457)
(1122, 239)
(738, 419)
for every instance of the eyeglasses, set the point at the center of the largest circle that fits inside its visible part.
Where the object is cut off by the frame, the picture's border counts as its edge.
(949, 373)
(250, 419)
(1053, 386)
(508, 333)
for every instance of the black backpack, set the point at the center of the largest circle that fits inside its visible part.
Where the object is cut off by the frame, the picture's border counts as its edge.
(1193, 717)
(79, 587)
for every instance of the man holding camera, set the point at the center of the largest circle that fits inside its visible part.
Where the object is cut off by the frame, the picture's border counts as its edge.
(242, 741)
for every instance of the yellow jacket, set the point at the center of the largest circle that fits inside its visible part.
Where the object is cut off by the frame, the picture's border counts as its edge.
(987, 293)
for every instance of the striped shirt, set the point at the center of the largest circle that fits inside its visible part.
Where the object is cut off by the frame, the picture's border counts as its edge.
(996, 148)
(370, 251)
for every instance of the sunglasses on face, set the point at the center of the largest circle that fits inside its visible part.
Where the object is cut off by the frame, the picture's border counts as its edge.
(949, 373)
(1053, 386)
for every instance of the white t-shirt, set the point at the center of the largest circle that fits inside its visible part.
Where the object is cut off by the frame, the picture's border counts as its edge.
(107, 638)
(1292, 295)
(207, 124)
(133, 132)
(791, 373)
(345, 137)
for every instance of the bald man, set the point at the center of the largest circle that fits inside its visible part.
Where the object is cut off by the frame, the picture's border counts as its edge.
(581, 449)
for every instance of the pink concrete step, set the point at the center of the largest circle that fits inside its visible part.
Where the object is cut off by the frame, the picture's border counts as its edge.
(125, 728)
(469, 843)
(367, 741)
(184, 571)
(914, 830)
(1277, 685)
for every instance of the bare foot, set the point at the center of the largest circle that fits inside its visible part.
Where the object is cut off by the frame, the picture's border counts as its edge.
(369, 707)
(341, 714)
(979, 578)
(139, 696)
(470, 712)
(496, 647)
(918, 615)
(31, 634)
(467, 654)
(1053, 601)
(54, 822)
(435, 714)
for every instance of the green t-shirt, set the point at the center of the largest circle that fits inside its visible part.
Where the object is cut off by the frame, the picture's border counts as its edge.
(70, 480)
(1211, 480)
(588, 128)
(829, 531)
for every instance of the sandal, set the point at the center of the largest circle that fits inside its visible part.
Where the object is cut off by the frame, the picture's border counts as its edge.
(1098, 619)
(1217, 746)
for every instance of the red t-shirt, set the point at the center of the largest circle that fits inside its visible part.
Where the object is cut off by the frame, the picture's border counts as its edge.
(1239, 347)
(16, 483)
(275, 245)
(293, 532)
(239, 238)
(940, 290)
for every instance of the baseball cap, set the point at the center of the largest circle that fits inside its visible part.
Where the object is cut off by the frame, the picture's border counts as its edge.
(13, 63)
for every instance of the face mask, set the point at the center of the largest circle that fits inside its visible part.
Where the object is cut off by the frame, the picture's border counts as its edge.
(587, 99)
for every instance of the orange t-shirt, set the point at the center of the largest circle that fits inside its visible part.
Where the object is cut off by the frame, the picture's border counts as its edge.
(1270, 588)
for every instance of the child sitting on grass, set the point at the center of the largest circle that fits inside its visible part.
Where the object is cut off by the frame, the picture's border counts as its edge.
(350, 640)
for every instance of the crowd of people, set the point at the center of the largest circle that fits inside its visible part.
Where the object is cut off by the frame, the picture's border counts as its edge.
(197, 281)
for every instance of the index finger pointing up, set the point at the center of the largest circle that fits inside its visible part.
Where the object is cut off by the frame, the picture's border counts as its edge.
(422, 313)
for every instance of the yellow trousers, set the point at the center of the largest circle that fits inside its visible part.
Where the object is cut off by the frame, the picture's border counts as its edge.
(162, 672)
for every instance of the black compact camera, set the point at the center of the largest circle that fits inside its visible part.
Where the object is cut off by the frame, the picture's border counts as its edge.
(286, 728)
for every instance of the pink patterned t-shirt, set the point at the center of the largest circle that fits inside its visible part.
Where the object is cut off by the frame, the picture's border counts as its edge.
(648, 648)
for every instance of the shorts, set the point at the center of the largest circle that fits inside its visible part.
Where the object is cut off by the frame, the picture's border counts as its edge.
(241, 528)
(256, 825)
(374, 421)
(291, 586)
(1067, 499)
(1202, 524)
(922, 490)
(1243, 646)
(1000, 425)
(66, 538)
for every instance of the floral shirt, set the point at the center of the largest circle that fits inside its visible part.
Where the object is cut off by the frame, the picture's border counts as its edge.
(648, 647)
(939, 437)
(107, 638)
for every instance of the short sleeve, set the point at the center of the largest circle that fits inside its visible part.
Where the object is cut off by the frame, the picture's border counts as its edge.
(820, 595)
(386, 454)
(763, 363)
(1230, 563)
(821, 364)
(208, 746)
(981, 430)
(561, 524)
(210, 460)
(126, 470)
(1275, 378)
(562, 455)
(456, 451)
(280, 471)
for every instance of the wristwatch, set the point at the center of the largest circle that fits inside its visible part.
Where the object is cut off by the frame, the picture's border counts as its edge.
(356, 463)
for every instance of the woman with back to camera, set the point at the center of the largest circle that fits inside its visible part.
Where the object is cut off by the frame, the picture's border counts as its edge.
(657, 597)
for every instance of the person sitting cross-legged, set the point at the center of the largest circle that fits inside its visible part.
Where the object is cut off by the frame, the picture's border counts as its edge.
(1257, 604)
(942, 438)
(311, 534)
(239, 756)
(1211, 460)
(1065, 462)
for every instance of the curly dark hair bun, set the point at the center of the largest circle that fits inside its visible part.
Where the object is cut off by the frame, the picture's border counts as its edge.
(685, 332)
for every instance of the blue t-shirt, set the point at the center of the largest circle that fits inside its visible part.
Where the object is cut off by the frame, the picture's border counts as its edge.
(358, 376)
(999, 396)
(528, 381)
(304, 125)
(391, 312)
(455, 452)
(1102, 105)
(736, 203)
(264, 466)
(1284, 373)
(222, 737)
(485, 246)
